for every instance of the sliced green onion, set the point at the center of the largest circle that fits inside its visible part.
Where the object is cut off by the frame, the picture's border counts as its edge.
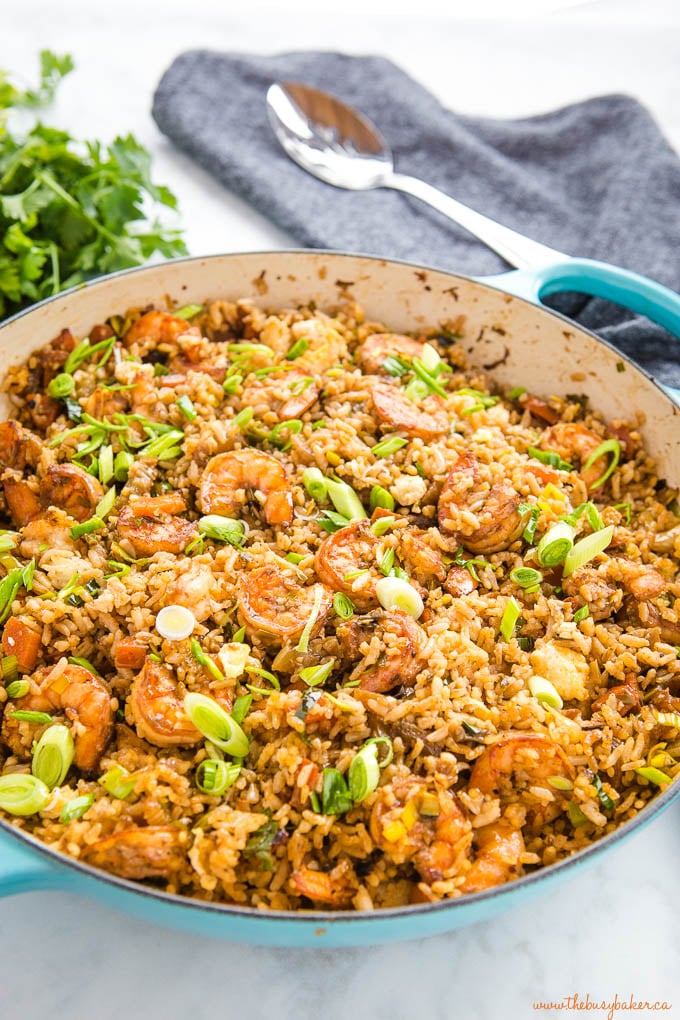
(295, 558)
(204, 660)
(22, 795)
(165, 446)
(604, 798)
(188, 311)
(549, 457)
(388, 446)
(76, 808)
(241, 707)
(79, 660)
(395, 366)
(593, 516)
(526, 577)
(266, 675)
(223, 529)
(576, 816)
(117, 782)
(612, 446)
(545, 692)
(7, 543)
(303, 644)
(121, 465)
(427, 377)
(345, 500)
(85, 350)
(587, 549)
(218, 726)
(300, 385)
(510, 617)
(530, 527)
(343, 606)
(244, 417)
(516, 392)
(9, 586)
(382, 525)
(396, 593)
(292, 426)
(53, 756)
(175, 622)
(25, 715)
(561, 783)
(105, 504)
(187, 408)
(232, 383)
(364, 771)
(9, 668)
(555, 544)
(653, 775)
(581, 614)
(627, 509)
(332, 521)
(298, 348)
(105, 464)
(214, 777)
(239, 635)
(430, 358)
(18, 688)
(381, 498)
(315, 484)
(27, 575)
(87, 527)
(335, 796)
(61, 386)
(386, 563)
(314, 676)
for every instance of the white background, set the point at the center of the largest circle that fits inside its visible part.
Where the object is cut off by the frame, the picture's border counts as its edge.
(614, 929)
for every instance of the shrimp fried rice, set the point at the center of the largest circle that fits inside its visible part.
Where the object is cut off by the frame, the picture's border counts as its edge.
(298, 612)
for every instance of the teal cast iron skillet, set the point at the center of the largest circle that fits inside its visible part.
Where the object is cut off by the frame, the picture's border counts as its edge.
(507, 330)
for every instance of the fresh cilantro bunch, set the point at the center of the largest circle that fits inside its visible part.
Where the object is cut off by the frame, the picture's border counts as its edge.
(71, 210)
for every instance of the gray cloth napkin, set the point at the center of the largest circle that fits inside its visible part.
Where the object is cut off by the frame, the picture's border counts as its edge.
(595, 179)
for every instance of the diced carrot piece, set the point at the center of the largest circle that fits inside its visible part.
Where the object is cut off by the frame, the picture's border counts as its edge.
(153, 506)
(130, 654)
(21, 640)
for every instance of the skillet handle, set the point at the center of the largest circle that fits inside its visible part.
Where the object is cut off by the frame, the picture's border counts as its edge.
(586, 276)
(23, 869)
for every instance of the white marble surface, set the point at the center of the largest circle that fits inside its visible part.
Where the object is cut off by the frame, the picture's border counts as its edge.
(613, 930)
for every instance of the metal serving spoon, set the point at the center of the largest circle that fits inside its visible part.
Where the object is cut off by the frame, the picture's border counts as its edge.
(339, 146)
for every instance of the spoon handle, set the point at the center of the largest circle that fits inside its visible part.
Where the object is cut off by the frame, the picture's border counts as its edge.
(518, 250)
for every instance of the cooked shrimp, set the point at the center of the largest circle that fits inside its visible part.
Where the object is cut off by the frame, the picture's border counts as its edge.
(22, 501)
(19, 448)
(566, 669)
(425, 420)
(586, 586)
(157, 851)
(103, 403)
(195, 588)
(460, 582)
(335, 888)
(82, 696)
(413, 820)
(50, 531)
(423, 559)
(229, 478)
(74, 490)
(155, 708)
(272, 605)
(539, 408)
(346, 562)
(400, 653)
(526, 756)
(573, 441)
(149, 534)
(159, 327)
(375, 349)
(500, 522)
(499, 849)
(643, 582)
(192, 359)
